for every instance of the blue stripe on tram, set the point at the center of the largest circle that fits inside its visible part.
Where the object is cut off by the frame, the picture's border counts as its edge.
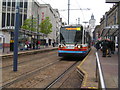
(60, 51)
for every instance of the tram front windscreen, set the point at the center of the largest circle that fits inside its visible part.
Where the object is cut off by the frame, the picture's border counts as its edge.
(71, 35)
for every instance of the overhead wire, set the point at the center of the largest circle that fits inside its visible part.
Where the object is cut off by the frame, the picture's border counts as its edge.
(80, 10)
(64, 17)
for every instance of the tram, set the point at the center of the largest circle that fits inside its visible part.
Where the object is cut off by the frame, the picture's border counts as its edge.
(74, 41)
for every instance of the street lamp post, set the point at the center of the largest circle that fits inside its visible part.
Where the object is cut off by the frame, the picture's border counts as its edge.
(84, 29)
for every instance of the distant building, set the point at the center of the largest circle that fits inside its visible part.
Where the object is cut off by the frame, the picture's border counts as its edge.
(47, 11)
(92, 25)
(96, 33)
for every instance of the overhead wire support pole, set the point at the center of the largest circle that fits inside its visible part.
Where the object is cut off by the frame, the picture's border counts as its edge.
(84, 31)
(68, 11)
(16, 31)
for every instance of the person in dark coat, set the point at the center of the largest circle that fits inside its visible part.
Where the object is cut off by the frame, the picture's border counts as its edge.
(104, 44)
(109, 49)
(97, 45)
(112, 46)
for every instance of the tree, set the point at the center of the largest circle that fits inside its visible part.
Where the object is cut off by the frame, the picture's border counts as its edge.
(30, 24)
(46, 26)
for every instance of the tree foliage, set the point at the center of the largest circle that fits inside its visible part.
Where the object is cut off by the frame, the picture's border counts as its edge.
(46, 26)
(30, 24)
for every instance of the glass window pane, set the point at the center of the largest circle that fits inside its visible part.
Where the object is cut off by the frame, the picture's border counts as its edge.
(4, 2)
(8, 19)
(25, 4)
(13, 3)
(12, 19)
(21, 3)
(3, 19)
(9, 3)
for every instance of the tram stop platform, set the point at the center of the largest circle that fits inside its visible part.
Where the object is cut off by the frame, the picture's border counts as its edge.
(109, 67)
(28, 52)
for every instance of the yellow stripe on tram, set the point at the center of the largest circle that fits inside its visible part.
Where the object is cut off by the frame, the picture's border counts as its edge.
(73, 29)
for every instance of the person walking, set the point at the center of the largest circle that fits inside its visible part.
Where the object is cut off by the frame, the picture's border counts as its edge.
(97, 45)
(109, 47)
(112, 47)
(104, 45)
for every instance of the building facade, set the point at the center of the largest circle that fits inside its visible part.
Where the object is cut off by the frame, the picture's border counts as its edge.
(28, 9)
(109, 24)
(47, 11)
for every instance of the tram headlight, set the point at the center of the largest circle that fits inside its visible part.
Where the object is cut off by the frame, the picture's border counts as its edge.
(61, 46)
(78, 46)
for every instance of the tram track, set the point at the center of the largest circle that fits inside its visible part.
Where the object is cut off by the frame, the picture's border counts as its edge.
(9, 75)
(28, 74)
(41, 76)
(26, 61)
(37, 74)
(59, 77)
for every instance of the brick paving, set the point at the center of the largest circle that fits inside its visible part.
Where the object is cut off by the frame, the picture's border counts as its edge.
(88, 67)
(109, 67)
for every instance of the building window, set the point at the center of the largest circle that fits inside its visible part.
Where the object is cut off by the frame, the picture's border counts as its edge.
(4, 2)
(8, 3)
(13, 3)
(20, 19)
(25, 17)
(12, 19)
(3, 19)
(4, 9)
(8, 19)
(25, 4)
(21, 3)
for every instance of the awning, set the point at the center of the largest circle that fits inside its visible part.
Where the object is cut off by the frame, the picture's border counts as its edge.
(110, 30)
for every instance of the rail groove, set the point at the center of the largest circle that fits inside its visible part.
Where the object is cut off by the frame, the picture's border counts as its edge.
(23, 76)
(59, 77)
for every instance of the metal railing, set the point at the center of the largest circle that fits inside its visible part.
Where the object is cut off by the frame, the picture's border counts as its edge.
(99, 74)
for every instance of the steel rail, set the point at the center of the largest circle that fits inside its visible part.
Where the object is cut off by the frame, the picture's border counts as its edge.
(24, 76)
(22, 62)
(59, 77)
(102, 81)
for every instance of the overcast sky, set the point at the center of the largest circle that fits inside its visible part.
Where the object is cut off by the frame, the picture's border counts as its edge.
(97, 8)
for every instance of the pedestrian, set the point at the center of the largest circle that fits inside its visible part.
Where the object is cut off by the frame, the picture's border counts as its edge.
(53, 43)
(112, 47)
(104, 45)
(97, 45)
(109, 47)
